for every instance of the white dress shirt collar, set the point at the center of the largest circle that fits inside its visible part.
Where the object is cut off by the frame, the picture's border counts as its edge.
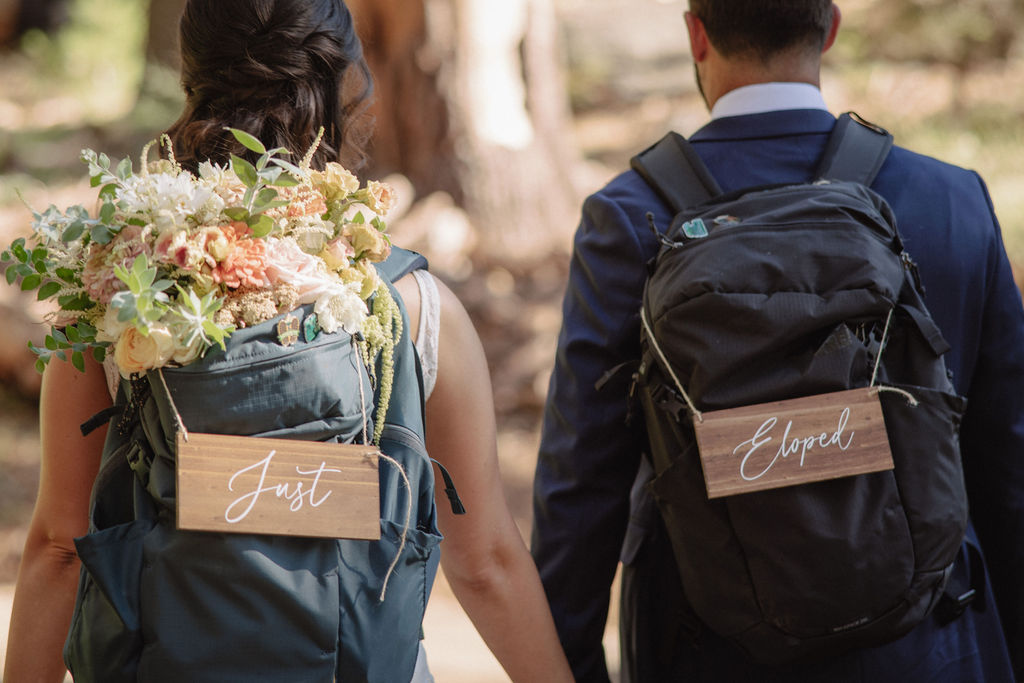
(764, 97)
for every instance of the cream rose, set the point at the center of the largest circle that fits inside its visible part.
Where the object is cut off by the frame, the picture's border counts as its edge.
(382, 197)
(334, 182)
(367, 240)
(137, 353)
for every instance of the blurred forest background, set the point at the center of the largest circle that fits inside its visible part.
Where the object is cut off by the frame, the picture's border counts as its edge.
(494, 119)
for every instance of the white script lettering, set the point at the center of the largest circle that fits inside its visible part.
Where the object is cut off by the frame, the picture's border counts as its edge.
(297, 495)
(790, 446)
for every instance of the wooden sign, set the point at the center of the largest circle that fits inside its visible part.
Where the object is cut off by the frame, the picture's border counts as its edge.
(278, 486)
(772, 445)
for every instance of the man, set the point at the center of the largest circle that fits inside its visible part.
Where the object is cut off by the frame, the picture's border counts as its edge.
(758, 67)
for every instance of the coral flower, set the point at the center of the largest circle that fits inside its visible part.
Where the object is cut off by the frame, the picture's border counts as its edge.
(246, 260)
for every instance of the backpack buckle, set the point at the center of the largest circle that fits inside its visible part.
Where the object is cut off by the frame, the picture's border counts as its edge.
(950, 607)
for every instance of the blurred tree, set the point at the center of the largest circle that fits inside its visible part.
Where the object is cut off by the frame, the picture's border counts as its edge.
(961, 34)
(18, 16)
(162, 37)
(470, 100)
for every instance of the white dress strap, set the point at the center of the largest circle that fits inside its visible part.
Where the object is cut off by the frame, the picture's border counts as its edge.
(429, 328)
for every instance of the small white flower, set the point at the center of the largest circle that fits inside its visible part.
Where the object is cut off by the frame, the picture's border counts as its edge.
(341, 307)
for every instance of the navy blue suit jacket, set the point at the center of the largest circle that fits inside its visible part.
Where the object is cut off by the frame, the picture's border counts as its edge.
(589, 454)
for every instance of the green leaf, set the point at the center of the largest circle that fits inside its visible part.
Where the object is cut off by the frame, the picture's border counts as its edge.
(236, 213)
(73, 232)
(59, 336)
(87, 331)
(286, 180)
(270, 175)
(73, 334)
(50, 343)
(78, 361)
(108, 191)
(11, 274)
(101, 234)
(245, 171)
(124, 169)
(107, 212)
(248, 141)
(99, 353)
(61, 355)
(262, 226)
(67, 275)
(31, 282)
(48, 290)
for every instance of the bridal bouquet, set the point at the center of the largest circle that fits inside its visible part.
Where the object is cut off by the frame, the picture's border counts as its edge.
(171, 263)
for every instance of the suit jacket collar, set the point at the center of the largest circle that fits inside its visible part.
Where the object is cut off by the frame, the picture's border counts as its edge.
(767, 125)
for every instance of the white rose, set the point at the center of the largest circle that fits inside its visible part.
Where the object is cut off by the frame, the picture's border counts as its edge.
(137, 353)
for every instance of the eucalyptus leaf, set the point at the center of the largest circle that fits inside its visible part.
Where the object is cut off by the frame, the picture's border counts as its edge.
(40, 365)
(61, 338)
(236, 213)
(101, 234)
(248, 141)
(61, 355)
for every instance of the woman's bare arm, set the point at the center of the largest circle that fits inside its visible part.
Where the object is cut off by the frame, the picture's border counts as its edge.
(48, 576)
(483, 555)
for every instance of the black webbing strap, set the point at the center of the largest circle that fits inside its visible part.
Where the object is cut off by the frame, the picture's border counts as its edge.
(856, 150)
(672, 168)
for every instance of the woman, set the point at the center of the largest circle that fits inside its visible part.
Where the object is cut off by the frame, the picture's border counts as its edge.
(281, 70)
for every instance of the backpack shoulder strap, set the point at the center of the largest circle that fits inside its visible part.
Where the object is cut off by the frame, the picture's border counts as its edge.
(399, 263)
(856, 150)
(672, 168)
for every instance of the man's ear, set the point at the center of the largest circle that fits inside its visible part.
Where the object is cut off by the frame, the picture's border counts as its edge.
(834, 29)
(698, 37)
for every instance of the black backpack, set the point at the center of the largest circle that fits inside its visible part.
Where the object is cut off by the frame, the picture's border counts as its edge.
(776, 293)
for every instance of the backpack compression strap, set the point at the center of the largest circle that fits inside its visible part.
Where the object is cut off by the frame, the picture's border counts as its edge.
(855, 152)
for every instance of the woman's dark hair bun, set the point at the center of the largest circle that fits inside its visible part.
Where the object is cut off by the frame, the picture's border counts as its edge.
(278, 69)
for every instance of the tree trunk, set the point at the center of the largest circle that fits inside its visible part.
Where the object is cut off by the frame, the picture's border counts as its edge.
(471, 102)
(162, 38)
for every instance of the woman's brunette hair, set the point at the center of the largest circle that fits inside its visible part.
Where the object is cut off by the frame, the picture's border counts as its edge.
(278, 69)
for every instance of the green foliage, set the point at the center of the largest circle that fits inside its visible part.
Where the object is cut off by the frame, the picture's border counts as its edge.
(260, 179)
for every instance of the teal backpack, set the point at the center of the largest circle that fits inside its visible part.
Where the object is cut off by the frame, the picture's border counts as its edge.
(156, 603)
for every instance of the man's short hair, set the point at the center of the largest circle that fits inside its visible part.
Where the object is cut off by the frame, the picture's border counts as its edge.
(764, 28)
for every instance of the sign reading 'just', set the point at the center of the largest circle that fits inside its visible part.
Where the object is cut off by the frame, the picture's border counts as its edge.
(277, 486)
(771, 445)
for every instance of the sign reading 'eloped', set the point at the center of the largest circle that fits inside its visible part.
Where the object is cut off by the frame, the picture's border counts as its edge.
(771, 445)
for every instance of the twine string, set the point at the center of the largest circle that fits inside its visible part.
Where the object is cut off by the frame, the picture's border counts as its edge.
(405, 479)
(174, 408)
(668, 367)
(911, 399)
